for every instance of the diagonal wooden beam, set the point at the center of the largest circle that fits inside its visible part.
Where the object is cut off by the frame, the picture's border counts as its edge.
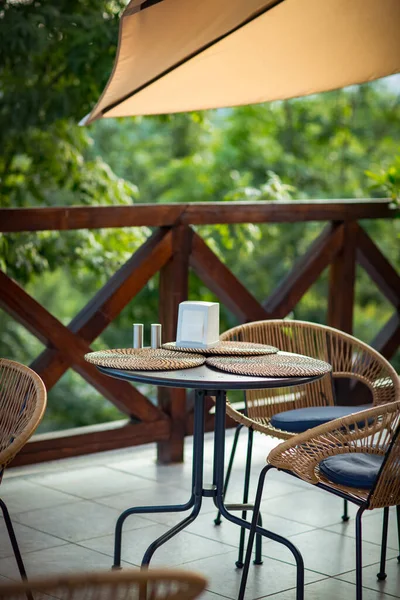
(387, 340)
(33, 316)
(223, 283)
(109, 301)
(382, 273)
(305, 272)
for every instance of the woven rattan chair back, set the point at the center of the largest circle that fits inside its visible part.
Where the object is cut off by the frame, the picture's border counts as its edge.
(22, 404)
(350, 358)
(386, 491)
(127, 585)
(372, 431)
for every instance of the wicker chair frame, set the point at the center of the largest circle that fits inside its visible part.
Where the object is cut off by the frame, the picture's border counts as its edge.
(130, 584)
(350, 358)
(22, 404)
(373, 431)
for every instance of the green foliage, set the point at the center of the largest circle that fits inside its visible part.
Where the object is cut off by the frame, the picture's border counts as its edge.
(55, 58)
(388, 180)
(54, 61)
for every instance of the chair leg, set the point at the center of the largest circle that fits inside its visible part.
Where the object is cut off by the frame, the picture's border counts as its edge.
(298, 557)
(239, 562)
(239, 427)
(398, 529)
(345, 515)
(258, 552)
(359, 554)
(14, 544)
(382, 575)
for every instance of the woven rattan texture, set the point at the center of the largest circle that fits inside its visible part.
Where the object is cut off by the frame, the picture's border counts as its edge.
(273, 365)
(144, 359)
(374, 431)
(349, 357)
(227, 348)
(131, 584)
(22, 404)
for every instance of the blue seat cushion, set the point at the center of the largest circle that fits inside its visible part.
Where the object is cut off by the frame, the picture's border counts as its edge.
(352, 469)
(301, 419)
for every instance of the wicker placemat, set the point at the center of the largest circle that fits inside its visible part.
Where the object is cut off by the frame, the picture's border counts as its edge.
(226, 348)
(282, 364)
(144, 359)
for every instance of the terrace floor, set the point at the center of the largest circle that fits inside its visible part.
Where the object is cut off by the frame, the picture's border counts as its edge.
(64, 515)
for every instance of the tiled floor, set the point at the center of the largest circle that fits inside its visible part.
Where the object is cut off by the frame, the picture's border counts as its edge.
(65, 512)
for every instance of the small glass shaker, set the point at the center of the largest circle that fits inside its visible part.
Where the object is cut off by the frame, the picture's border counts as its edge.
(138, 335)
(156, 335)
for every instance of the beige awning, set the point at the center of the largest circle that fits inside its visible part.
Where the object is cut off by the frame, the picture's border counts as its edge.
(182, 55)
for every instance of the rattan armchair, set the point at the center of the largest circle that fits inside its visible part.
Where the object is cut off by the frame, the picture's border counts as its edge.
(131, 584)
(285, 412)
(355, 457)
(22, 405)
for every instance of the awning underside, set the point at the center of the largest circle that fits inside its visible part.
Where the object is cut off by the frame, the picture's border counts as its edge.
(182, 55)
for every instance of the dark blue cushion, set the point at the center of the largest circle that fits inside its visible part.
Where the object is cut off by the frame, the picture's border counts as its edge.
(353, 469)
(301, 419)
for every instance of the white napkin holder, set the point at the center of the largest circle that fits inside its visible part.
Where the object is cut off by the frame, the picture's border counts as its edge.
(198, 325)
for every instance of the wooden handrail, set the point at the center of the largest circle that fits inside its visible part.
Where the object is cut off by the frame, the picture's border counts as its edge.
(196, 213)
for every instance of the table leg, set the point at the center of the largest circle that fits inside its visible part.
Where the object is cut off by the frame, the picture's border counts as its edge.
(194, 501)
(219, 455)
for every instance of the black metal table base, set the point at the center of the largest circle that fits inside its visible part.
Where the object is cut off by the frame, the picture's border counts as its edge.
(199, 490)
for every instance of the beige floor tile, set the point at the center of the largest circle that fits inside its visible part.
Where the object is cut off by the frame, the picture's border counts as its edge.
(180, 549)
(229, 533)
(371, 528)
(274, 488)
(28, 540)
(92, 482)
(314, 507)
(178, 475)
(326, 552)
(63, 559)
(391, 585)
(269, 578)
(154, 494)
(22, 495)
(76, 521)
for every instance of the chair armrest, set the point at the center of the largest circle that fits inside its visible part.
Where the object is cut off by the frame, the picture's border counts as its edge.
(370, 430)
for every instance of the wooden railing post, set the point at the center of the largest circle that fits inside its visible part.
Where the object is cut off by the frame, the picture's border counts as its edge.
(342, 276)
(173, 289)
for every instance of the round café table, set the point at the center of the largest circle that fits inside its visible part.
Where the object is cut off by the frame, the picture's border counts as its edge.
(205, 381)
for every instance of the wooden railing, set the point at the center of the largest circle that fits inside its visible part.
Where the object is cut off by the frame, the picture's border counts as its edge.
(174, 248)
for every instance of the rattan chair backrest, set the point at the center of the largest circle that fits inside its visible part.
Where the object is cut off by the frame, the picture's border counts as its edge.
(386, 491)
(349, 357)
(22, 405)
(130, 584)
(371, 431)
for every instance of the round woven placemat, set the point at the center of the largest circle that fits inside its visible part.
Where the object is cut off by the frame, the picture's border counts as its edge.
(144, 359)
(282, 364)
(226, 349)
